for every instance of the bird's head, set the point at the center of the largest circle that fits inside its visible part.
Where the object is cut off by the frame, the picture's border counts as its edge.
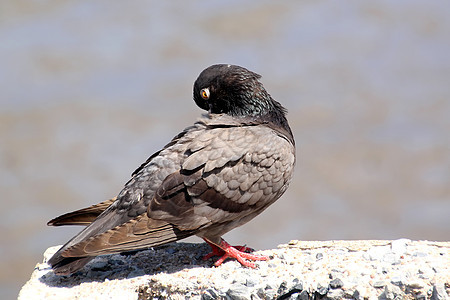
(235, 91)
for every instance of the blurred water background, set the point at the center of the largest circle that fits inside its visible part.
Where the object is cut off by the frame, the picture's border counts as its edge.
(90, 89)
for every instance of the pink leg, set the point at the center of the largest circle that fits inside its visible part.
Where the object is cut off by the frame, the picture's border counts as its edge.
(225, 250)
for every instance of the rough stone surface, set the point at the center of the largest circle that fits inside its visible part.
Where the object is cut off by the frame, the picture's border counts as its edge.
(400, 269)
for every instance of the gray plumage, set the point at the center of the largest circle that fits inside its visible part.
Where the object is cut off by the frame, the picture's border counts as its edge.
(212, 177)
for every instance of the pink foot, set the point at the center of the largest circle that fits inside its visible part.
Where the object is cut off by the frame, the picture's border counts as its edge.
(225, 250)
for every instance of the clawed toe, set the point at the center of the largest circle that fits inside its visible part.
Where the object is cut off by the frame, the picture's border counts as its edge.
(241, 253)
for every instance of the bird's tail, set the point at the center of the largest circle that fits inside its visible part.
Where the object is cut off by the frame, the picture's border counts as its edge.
(63, 265)
(67, 265)
(84, 216)
(136, 234)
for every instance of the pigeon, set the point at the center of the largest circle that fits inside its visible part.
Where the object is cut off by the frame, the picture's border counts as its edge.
(214, 176)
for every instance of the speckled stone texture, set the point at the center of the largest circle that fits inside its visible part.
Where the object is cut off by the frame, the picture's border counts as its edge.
(399, 269)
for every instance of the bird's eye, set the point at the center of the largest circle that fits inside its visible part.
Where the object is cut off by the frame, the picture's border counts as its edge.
(205, 93)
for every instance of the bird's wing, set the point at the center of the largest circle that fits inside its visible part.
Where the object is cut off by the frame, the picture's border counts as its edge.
(231, 174)
(84, 216)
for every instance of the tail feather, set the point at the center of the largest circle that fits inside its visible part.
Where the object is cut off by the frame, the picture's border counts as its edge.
(68, 265)
(139, 233)
(84, 216)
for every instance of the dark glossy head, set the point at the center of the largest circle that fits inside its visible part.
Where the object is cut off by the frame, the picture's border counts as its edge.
(233, 90)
